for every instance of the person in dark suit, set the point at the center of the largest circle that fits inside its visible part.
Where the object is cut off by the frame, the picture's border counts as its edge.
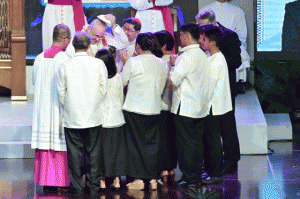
(230, 47)
(291, 27)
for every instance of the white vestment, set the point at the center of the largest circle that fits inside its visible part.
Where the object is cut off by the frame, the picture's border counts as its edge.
(152, 20)
(54, 15)
(109, 38)
(233, 18)
(47, 131)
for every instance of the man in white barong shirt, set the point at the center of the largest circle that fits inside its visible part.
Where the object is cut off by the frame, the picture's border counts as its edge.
(190, 104)
(82, 86)
(233, 17)
(48, 139)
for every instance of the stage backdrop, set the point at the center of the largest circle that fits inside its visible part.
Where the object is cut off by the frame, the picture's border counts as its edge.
(247, 6)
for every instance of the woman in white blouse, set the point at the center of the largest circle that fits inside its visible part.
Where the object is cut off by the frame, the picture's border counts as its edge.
(112, 140)
(145, 76)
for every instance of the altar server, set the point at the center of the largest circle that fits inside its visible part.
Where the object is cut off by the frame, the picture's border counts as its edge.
(82, 87)
(155, 15)
(68, 12)
(48, 139)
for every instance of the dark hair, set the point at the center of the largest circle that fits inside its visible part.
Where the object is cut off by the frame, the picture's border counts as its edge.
(164, 37)
(111, 49)
(206, 14)
(81, 40)
(60, 31)
(213, 33)
(135, 24)
(191, 28)
(145, 41)
(148, 41)
(109, 62)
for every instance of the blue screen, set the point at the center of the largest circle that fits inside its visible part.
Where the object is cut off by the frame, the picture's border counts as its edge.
(270, 15)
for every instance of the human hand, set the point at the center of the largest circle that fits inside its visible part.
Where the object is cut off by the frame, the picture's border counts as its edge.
(124, 56)
(173, 59)
(112, 19)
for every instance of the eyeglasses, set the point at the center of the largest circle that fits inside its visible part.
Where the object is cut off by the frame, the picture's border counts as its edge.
(128, 29)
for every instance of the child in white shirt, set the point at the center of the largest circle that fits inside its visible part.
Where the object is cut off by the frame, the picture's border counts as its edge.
(113, 143)
(219, 105)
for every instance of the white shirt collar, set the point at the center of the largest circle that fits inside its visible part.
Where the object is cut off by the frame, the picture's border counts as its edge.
(221, 5)
(81, 54)
(190, 47)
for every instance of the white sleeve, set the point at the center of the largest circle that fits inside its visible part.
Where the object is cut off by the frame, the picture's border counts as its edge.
(182, 67)
(61, 85)
(241, 28)
(103, 79)
(141, 4)
(164, 76)
(120, 37)
(217, 71)
(125, 74)
(163, 2)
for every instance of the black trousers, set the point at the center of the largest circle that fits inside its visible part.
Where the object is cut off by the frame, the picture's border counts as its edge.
(189, 133)
(89, 140)
(231, 145)
(230, 140)
(167, 150)
(213, 151)
(233, 87)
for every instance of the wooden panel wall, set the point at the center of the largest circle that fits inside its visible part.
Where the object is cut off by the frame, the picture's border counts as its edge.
(13, 71)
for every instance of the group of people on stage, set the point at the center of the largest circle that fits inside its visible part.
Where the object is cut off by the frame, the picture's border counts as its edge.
(124, 104)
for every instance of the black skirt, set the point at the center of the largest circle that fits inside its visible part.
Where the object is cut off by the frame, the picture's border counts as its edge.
(168, 152)
(113, 152)
(142, 143)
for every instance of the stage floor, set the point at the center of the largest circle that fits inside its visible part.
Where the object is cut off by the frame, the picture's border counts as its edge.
(260, 176)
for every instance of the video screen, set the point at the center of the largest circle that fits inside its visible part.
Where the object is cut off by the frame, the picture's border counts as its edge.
(272, 34)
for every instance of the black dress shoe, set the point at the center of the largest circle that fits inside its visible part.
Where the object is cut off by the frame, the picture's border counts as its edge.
(212, 180)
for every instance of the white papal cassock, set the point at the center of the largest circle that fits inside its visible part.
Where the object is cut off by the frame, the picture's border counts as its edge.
(233, 17)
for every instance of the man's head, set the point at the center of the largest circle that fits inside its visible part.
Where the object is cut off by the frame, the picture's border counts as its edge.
(81, 41)
(206, 16)
(189, 34)
(132, 27)
(211, 38)
(61, 35)
(96, 30)
(165, 39)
